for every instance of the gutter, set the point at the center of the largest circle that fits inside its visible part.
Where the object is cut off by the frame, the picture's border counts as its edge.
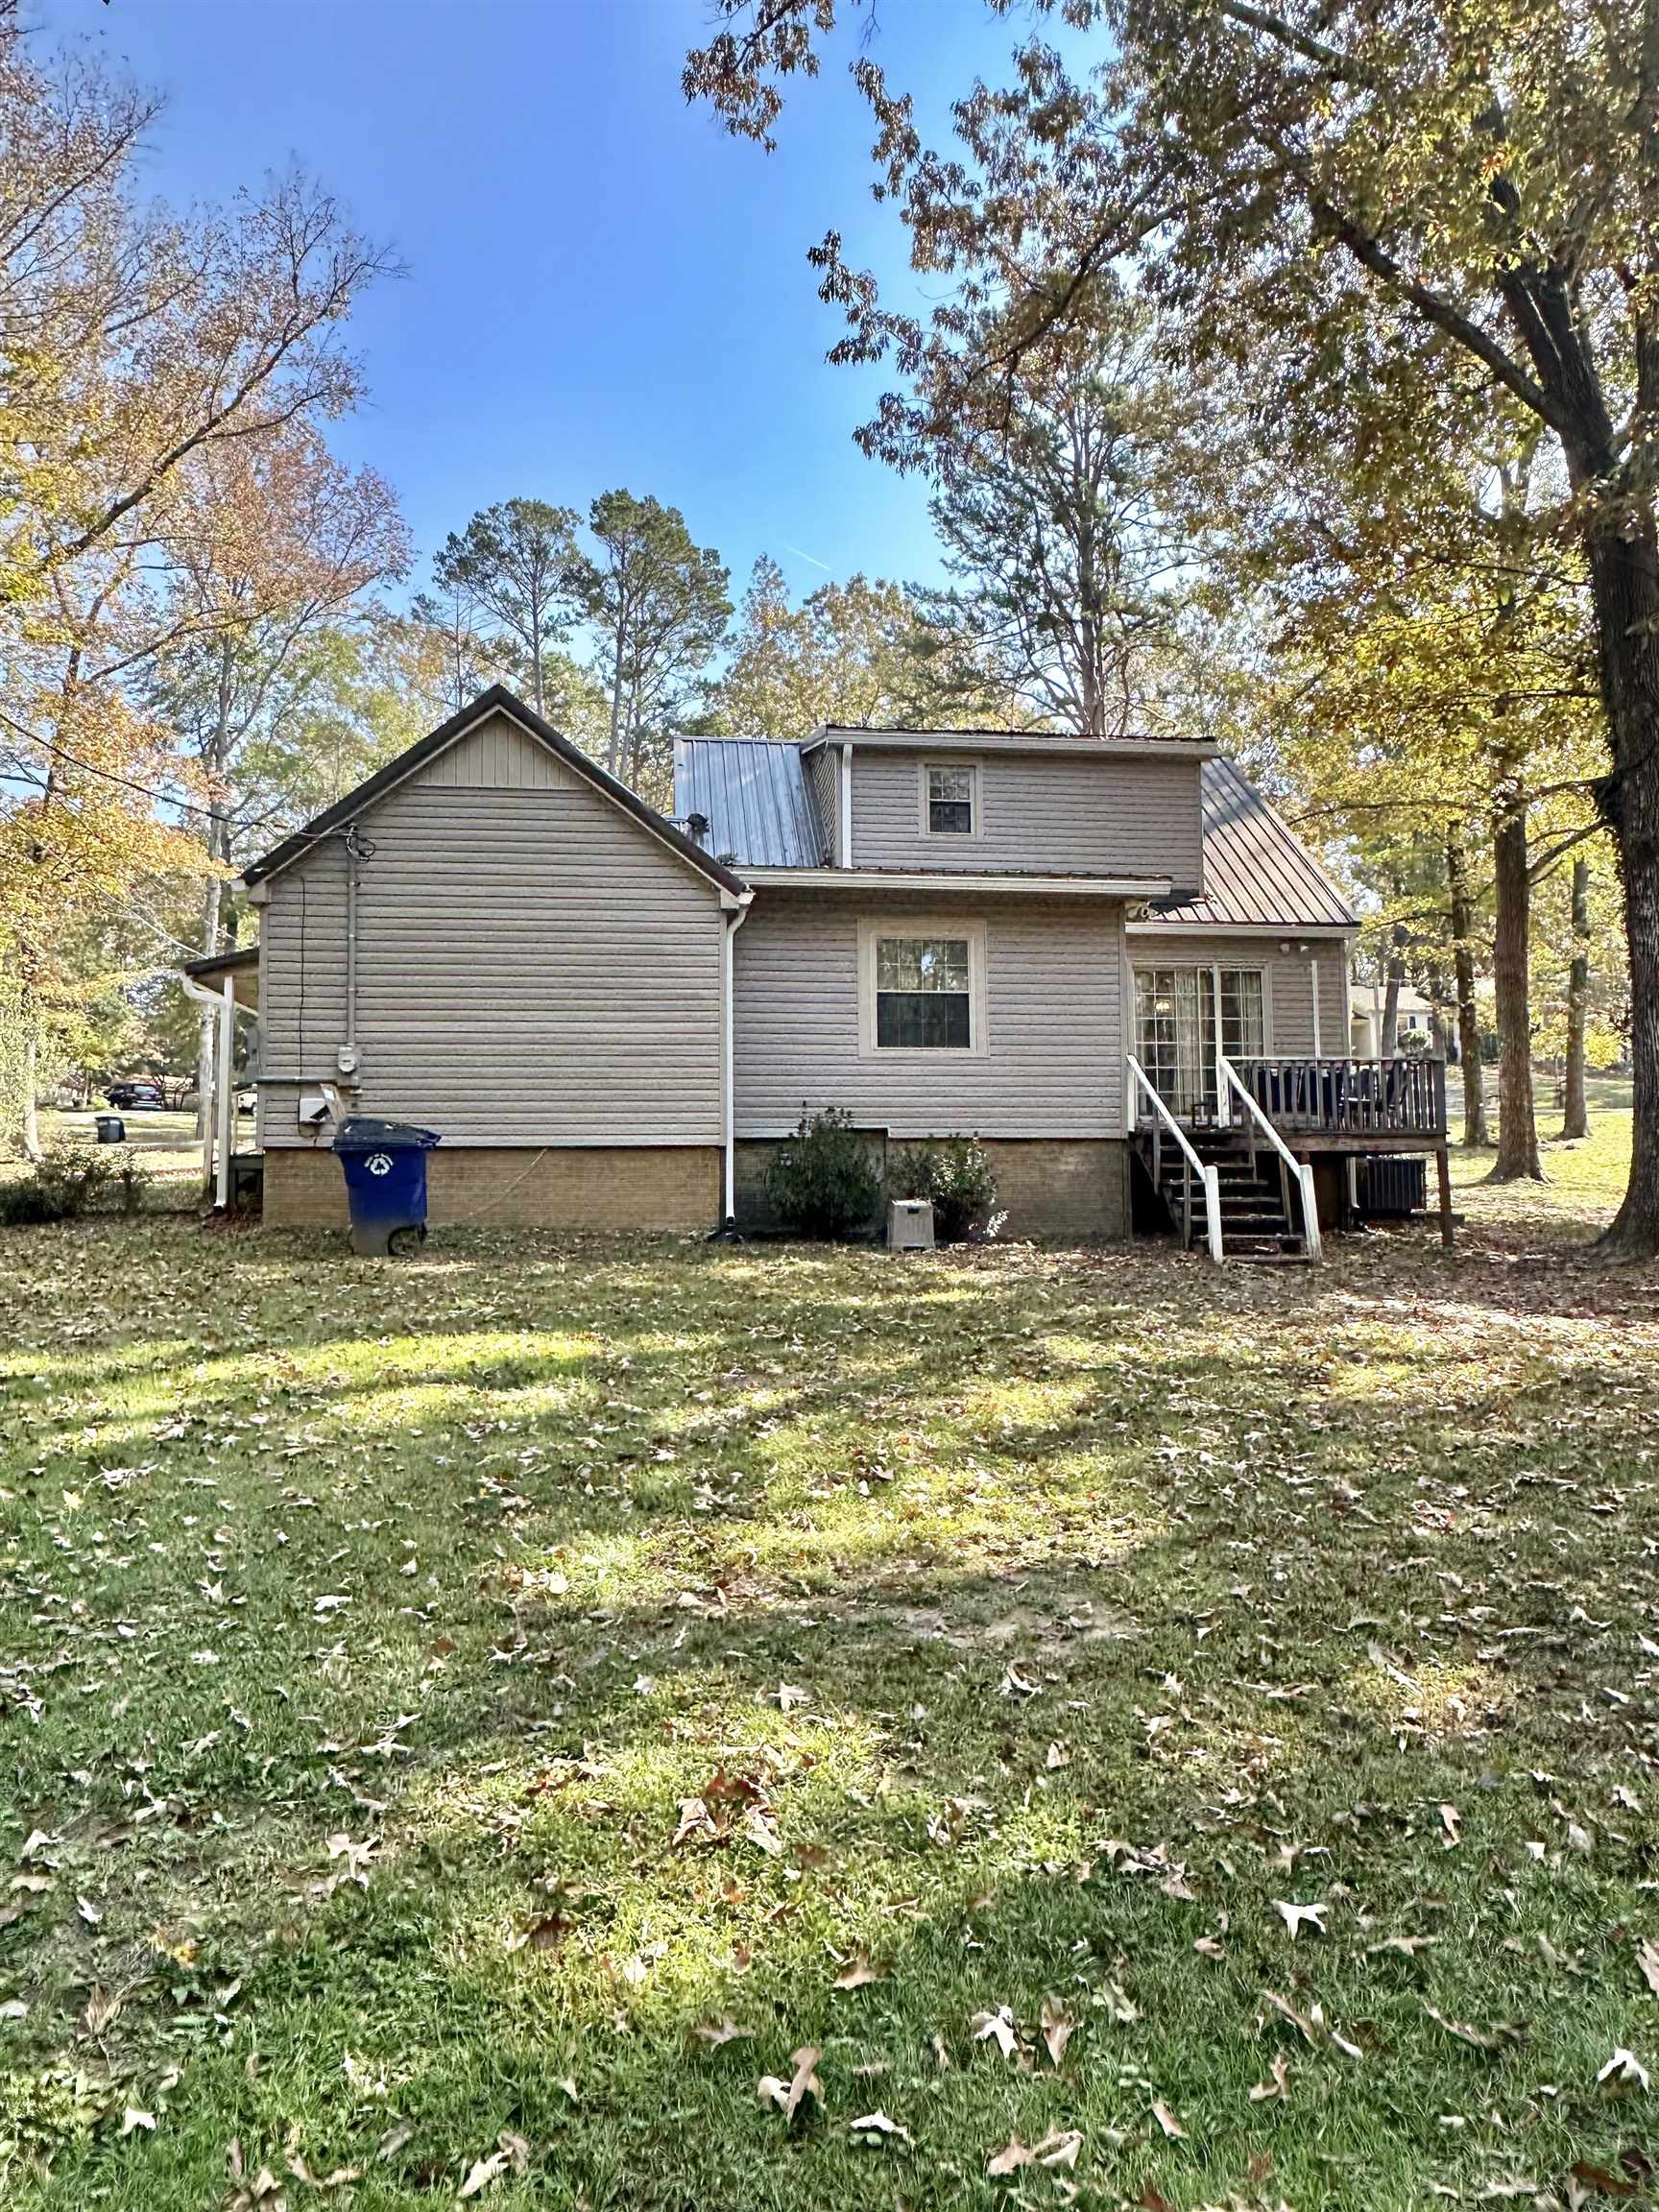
(733, 918)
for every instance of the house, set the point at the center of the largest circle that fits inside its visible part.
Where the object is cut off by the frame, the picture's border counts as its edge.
(1367, 1004)
(613, 1017)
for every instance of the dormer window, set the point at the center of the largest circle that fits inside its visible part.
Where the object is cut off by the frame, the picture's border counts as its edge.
(950, 799)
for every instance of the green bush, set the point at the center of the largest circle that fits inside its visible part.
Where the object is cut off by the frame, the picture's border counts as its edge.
(954, 1173)
(70, 1181)
(822, 1182)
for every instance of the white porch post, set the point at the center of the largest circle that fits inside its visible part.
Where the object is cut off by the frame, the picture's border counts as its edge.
(1223, 1105)
(225, 1091)
(1314, 975)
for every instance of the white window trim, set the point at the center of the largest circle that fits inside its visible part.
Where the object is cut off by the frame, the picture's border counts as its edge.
(975, 784)
(874, 927)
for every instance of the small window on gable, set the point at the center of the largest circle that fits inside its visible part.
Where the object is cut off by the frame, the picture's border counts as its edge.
(950, 799)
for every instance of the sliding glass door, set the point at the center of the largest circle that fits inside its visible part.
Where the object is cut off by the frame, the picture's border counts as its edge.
(1175, 1026)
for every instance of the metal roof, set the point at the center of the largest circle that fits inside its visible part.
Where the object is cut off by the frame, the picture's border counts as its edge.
(1256, 874)
(757, 797)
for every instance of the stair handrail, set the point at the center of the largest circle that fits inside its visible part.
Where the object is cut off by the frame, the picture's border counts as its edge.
(1208, 1176)
(1300, 1169)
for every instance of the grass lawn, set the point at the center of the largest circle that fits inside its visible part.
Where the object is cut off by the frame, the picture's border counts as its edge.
(1177, 1737)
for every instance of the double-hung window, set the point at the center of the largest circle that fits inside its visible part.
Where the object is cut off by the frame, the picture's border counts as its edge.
(950, 798)
(923, 989)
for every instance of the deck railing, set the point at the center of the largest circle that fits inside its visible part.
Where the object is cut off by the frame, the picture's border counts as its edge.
(1144, 1091)
(1398, 1097)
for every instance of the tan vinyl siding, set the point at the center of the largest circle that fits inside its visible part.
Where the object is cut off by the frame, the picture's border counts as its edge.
(1288, 978)
(825, 767)
(498, 756)
(534, 967)
(1134, 816)
(1053, 1059)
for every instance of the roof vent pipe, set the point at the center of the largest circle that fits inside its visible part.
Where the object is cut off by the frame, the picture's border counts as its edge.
(698, 827)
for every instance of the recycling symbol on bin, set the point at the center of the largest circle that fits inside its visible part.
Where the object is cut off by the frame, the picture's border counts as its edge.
(378, 1162)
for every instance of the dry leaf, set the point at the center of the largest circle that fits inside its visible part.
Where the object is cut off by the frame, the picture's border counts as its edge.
(1278, 2086)
(395, 2138)
(1058, 2147)
(1622, 2075)
(998, 2026)
(1296, 1916)
(132, 2118)
(1059, 1755)
(789, 2096)
(716, 2033)
(1167, 2120)
(859, 1974)
(1647, 1959)
(1058, 2028)
(878, 2124)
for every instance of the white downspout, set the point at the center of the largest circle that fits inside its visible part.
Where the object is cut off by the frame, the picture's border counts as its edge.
(846, 839)
(728, 1052)
(1314, 974)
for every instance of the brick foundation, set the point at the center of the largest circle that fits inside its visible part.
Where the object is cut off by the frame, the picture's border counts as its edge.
(1067, 1189)
(673, 1186)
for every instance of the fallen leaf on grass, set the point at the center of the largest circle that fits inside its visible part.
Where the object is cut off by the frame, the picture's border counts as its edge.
(695, 1819)
(1647, 1959)
(99, 2010)
(1278, 2086)
(996, 2027)
(788, 1696)
(1058, 2029)
(1059, 1755)
(1296, 1916)
(1478, 2038)
(14, 2008)
(395, 2138)
(1058, 2147)
(878, 2124)
(132, 2118)
(860, 1973)
(716, 2033)
(510, 2150)
(789, 2096)
(1587, 2177)
(1315, 2029)
(1622, 2075)
(1167, 2120)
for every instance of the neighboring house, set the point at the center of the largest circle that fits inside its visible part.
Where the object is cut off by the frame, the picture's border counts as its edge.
(614, 1018)
(1368, 1003)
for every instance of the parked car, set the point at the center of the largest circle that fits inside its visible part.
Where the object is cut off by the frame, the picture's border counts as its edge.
(142, 1094)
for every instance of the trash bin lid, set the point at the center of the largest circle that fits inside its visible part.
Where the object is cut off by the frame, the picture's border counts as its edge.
(369, 1133)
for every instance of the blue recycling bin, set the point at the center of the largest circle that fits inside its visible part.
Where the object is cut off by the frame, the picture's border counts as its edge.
(384, 1163)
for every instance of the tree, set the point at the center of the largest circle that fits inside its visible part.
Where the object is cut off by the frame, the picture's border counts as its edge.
(134, 345)
(1490, 171)
(656, 604)
(269, 543)
(512, 565)
(856, 653)
(1061, 501)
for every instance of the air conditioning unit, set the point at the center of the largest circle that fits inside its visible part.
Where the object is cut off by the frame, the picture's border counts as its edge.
(910, 1225)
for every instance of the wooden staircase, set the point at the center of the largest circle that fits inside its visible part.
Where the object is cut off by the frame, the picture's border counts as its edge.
(1259, 1211)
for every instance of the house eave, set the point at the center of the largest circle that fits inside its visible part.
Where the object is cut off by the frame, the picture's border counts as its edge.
(867, 879)
(1013, 741)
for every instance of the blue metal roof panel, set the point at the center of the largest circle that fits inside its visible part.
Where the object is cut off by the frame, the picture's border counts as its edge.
(756, 796)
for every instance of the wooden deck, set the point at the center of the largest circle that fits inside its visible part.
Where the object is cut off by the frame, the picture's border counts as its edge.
(1332, 1106)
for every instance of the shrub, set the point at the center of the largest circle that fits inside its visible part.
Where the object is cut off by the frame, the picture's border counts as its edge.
(70, 1181)
(954, 1173)
(821, 1181)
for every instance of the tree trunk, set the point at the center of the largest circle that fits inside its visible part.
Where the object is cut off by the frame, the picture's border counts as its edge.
(1624, 581)
(31, 1146)
(1575, 1110)
(1475, 1129)
(1388, 1044)
(1518, 1158)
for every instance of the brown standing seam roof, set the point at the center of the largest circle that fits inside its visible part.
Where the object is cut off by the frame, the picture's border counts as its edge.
(1256, 874)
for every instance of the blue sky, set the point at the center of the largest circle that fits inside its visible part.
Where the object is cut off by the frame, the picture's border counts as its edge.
(603, 287)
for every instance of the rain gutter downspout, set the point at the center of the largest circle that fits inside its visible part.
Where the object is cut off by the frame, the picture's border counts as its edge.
(845, 837)
(733, 920)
